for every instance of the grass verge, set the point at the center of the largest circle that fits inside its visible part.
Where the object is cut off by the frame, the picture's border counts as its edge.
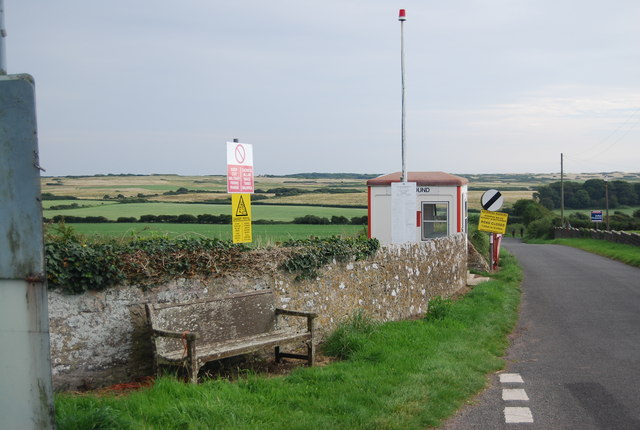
(627, 254)
(402, 375)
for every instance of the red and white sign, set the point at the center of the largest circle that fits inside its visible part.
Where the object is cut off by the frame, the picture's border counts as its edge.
(239, 167)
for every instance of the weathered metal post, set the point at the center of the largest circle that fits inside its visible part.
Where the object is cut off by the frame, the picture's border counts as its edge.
(3, 34)
(26, 394)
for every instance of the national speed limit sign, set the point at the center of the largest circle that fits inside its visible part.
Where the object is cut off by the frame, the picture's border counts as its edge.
(491, 200)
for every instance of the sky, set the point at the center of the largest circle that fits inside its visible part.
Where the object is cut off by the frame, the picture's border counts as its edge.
(492, 86)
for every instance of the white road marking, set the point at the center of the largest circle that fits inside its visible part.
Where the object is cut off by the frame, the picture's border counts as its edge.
(517, 415)
(514, 394)
(511, 378)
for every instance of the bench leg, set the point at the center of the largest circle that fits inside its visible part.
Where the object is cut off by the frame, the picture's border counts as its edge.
(192, 360)
(311, 351)
(278, 356)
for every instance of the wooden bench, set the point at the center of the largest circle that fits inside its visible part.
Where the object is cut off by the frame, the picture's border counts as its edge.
(193, 333)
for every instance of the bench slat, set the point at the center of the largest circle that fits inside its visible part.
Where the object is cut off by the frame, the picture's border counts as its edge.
(219, 351)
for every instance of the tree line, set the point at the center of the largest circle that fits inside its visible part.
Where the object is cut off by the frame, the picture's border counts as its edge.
(590, 194)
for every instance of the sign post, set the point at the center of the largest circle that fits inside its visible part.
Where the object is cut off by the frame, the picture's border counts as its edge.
(240, 185)
(495, 223)
(596, 216)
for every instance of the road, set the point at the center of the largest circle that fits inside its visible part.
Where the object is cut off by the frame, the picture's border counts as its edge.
(576, 347)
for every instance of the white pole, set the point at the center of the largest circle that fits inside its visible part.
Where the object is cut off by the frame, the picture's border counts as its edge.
(402, 18)
(3, 34)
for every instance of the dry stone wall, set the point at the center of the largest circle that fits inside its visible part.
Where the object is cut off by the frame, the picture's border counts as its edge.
(101, 338)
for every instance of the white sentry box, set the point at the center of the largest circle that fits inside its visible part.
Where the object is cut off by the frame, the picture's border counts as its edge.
(440, 206)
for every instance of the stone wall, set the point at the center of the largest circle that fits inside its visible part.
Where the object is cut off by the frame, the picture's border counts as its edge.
(608, 235)
(100, 338)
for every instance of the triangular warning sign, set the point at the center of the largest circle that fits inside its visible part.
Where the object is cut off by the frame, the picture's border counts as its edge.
(241, 210)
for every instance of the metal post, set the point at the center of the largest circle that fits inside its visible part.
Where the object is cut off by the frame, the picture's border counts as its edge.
(491, 245)
(3, 34)
(402, 18)
(26, 393)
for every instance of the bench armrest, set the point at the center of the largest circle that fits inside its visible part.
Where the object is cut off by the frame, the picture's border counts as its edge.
(295, 313)
(310, 316)
(175, 334)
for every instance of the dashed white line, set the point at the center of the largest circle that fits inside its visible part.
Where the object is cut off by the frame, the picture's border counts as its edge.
(511, 378)
(514, 394)
(512, 414)
(517, 415)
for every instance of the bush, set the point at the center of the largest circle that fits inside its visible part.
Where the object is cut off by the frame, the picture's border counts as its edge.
(340, 220)
(311, 219)
(360, 220)
(542, 228)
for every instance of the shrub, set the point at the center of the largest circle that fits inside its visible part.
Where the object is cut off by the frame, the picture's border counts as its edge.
(542, 228)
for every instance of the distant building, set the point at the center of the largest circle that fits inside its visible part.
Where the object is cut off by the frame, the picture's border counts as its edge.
(441, 205)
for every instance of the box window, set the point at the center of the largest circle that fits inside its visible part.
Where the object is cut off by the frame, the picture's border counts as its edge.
(435, 220)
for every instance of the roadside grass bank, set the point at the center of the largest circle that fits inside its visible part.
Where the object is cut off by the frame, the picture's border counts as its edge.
(397, 375)
(627, 254)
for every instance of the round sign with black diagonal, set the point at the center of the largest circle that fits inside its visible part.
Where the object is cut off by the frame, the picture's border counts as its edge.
(491, 200)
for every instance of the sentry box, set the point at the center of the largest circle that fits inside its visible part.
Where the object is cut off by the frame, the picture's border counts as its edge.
(440, 205)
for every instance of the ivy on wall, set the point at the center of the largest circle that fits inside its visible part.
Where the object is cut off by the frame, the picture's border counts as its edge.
(75, 266)
(312, 254)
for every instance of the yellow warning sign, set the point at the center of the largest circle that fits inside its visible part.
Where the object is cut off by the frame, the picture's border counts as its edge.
(241, 218)
(493, 222)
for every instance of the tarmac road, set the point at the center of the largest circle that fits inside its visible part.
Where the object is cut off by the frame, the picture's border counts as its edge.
(576, 347)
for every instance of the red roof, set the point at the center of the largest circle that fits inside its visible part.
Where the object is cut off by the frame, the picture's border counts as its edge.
(421, 179)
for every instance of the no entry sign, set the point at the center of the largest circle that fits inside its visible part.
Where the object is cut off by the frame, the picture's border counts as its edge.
(491, 200)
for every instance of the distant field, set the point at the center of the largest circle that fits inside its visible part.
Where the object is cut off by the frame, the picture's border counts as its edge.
(262, 234)
(266, 212)
(152, 188)
(96, 187)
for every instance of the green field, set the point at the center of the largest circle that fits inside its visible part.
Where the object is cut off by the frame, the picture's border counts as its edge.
(262, 234)
(267, 212)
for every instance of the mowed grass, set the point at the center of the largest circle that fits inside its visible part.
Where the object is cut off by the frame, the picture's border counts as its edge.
(262, 234)
(402, 375)
(628, 254)
(266, 212)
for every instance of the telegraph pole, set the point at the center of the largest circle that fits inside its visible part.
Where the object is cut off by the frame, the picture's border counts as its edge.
(606, 198)
(561, 190)
(402, 17)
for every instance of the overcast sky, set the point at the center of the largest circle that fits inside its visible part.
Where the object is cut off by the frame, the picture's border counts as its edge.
(492, 86)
